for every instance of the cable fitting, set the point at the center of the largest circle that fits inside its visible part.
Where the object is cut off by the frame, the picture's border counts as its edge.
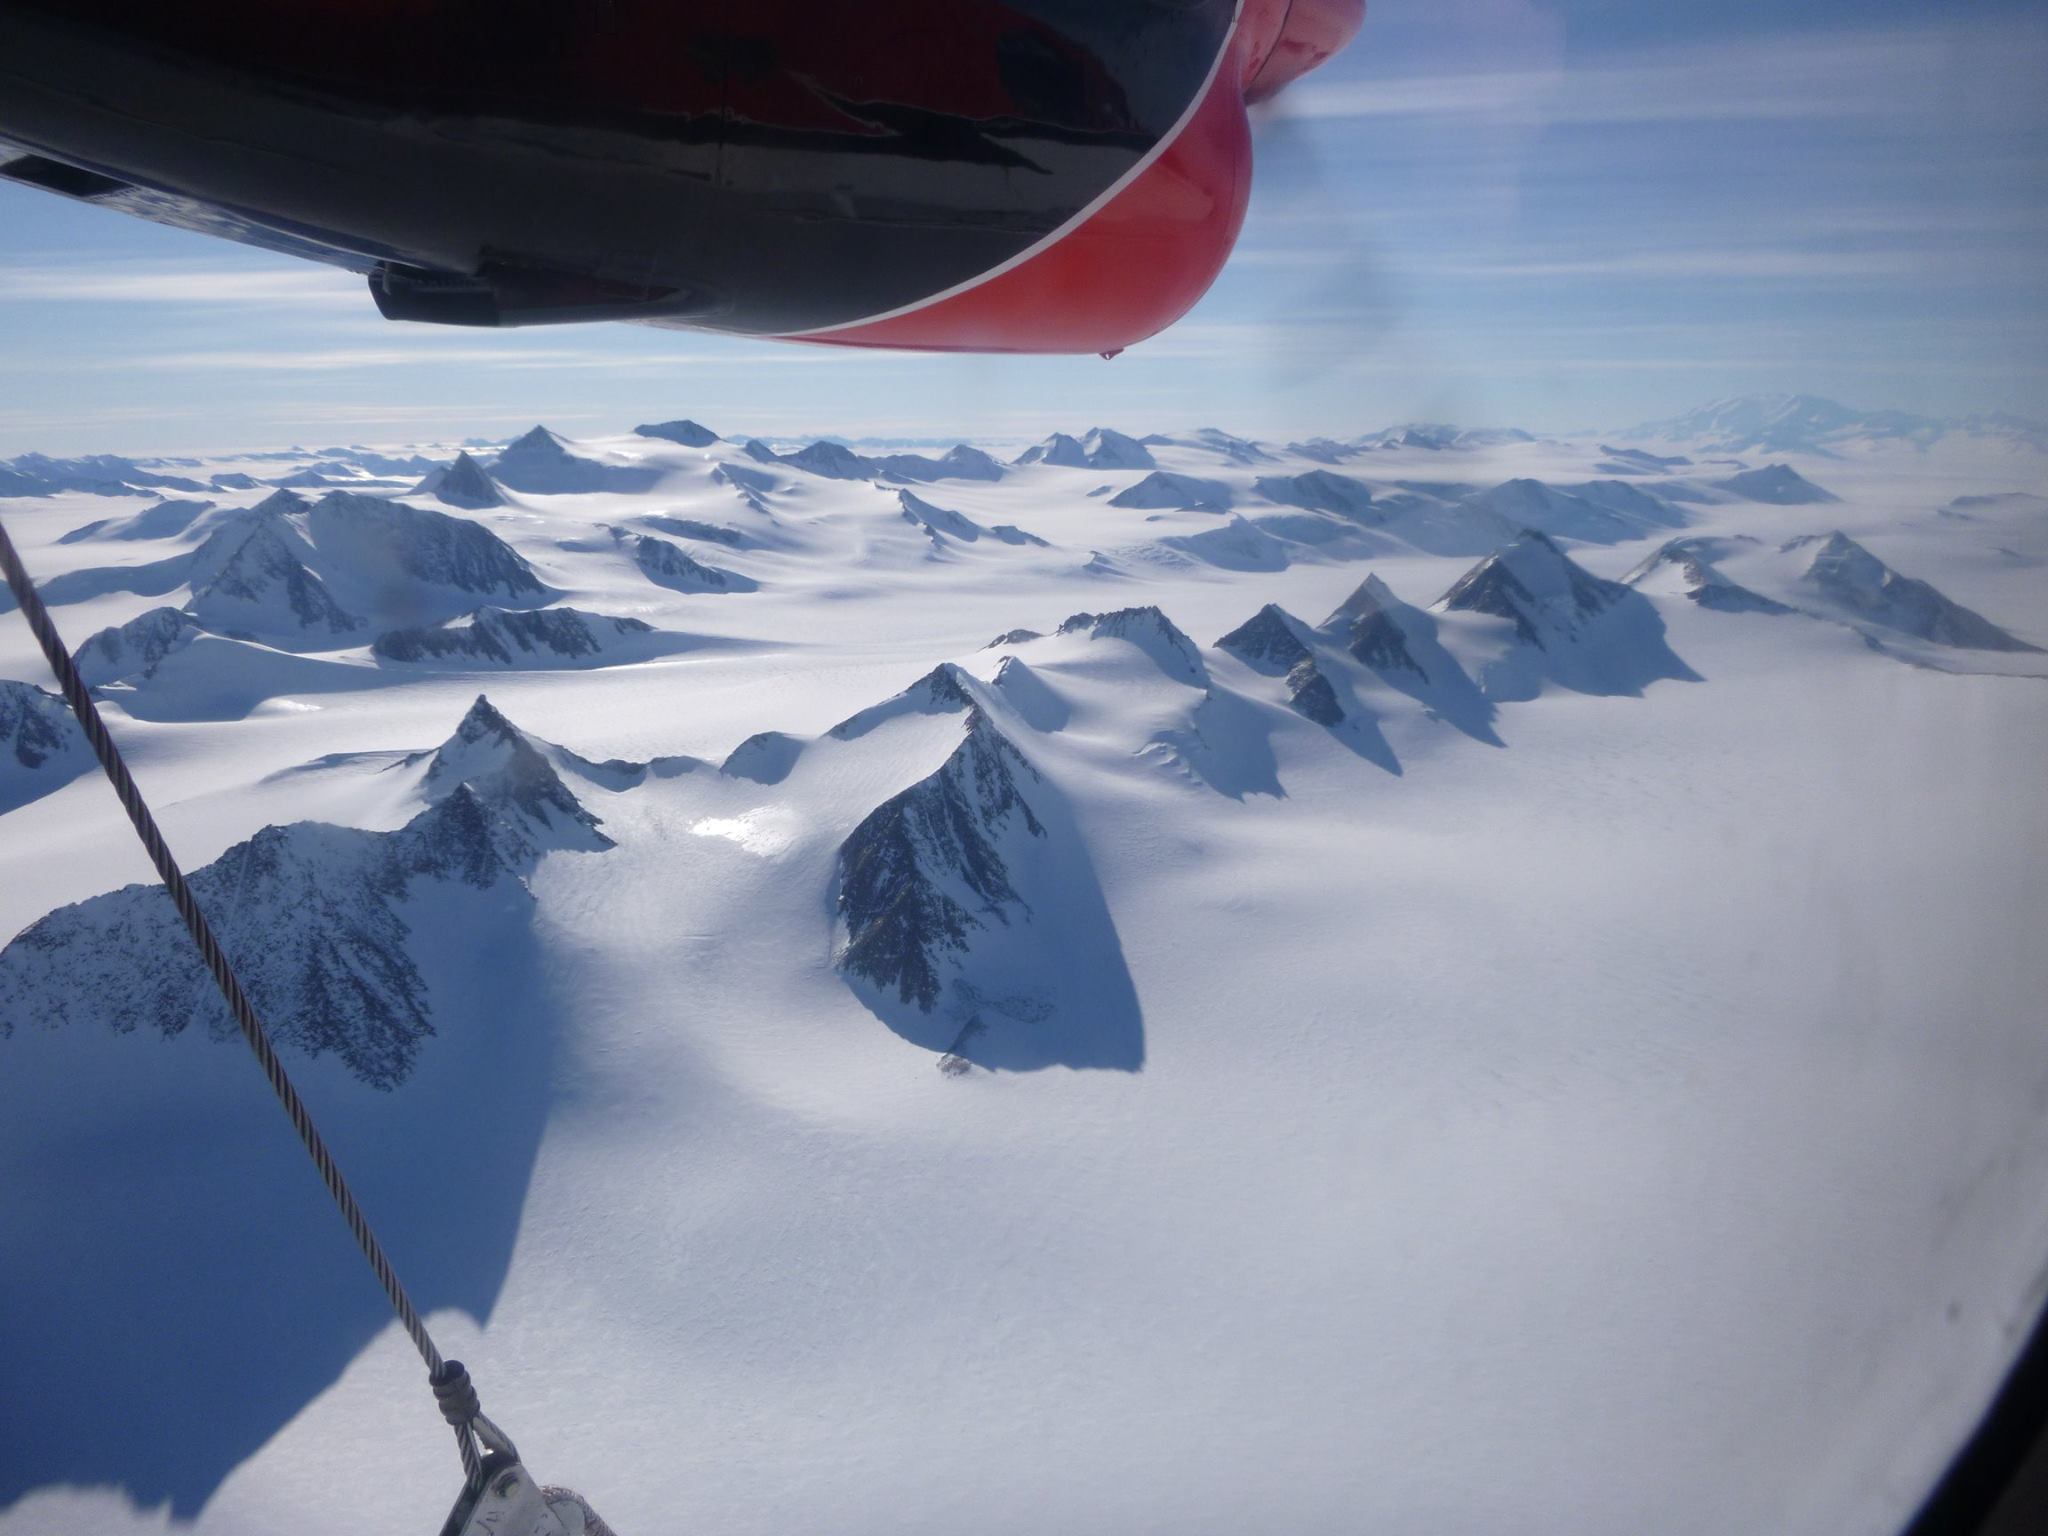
(456, 1394)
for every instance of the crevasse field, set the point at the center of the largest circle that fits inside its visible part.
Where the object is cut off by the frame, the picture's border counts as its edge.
(1538, 1029)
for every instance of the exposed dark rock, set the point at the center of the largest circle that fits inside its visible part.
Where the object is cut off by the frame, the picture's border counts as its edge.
(533, 810)
(505, 636)
(1693, 560)
(134, 649)
(35, 725)
(926, 869)
(941, 691)
(1309, 691)
(1370, 622)
(1537, 587)
(1152, 632)
(1267, 642)
(249, 579)
(666, 565)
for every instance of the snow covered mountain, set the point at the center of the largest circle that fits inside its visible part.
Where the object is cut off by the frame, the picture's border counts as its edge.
(1102, 448)
(1187, 493)
(1342, 966)
(310, 576)
(925, 869)
(667, 565)
(465, 484)
(523, 637)
(541, 463)
(1852, 580)
(1568, 626)
(1687, 567)
(163, 520)
(1780, 423)
(1271, 642)
(1319, 490)
(41, 747)
(313, 916)
(134, 649)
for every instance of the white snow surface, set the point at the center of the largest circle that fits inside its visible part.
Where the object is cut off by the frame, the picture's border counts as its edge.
(1609, 1100)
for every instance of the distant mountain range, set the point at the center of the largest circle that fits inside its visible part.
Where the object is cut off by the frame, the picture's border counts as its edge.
(1812, 424)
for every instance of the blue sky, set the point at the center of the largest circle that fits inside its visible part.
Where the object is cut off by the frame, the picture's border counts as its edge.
(1553, 215)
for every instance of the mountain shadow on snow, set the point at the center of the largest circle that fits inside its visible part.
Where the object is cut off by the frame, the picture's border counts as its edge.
(202, 1269)
(969, 919)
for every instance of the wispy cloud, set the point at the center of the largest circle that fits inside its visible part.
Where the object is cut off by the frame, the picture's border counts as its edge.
(129, 283)
(1892, 74)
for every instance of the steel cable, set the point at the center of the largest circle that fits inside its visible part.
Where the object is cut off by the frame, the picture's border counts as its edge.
(439, 1372)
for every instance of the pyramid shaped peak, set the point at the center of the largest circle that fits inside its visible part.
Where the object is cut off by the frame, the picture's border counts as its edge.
(1370, 597)
(537, 440)
(490, 757)
(465, 483)
(278, 503)
(484, 719)
(1268, 641)
(1535, 585)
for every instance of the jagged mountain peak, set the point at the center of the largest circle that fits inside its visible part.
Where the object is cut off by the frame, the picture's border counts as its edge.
(1370, 597)
(250, 577)
(510, 774)
(314, 919)
(930, 867)
(944, 690)
(1269, 641)
(281, 503)
(1152, 632)
(1384, 632)
(465, 483)
(939, 523)
(537, 440)
(135, 649)
(1535, 585)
